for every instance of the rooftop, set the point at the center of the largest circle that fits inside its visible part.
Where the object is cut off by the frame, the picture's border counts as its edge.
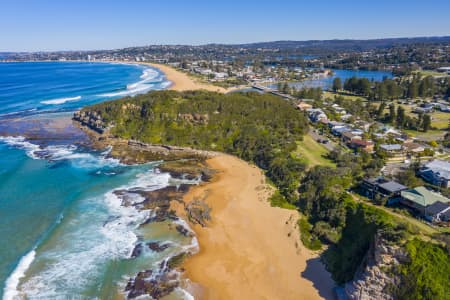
(423, 196)
(391, 147)
(437, 207)
(439, 166)
(392, 186)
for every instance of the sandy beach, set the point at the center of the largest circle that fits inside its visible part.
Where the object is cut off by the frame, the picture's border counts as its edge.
(250, 250)
(182, 82)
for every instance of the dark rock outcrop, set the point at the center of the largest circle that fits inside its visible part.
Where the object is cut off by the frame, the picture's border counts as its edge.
(91, 119)
(158, 246)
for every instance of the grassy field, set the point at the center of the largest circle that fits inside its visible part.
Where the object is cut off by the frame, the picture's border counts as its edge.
(348, 97)
(430, 135)
(440, 120)
(431, 73)
(312, 152)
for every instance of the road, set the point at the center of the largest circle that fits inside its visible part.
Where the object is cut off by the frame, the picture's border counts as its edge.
(330, 145)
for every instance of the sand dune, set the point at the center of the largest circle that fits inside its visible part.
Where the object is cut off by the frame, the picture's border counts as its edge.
(250, 250)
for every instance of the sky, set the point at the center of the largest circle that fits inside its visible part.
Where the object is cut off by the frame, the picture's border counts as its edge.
(48, 25)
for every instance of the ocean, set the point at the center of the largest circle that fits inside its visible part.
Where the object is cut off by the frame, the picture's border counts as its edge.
(64, 233)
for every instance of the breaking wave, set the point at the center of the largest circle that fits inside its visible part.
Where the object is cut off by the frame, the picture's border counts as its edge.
(10, 291)
(150, 79)
(61, 100)
(70, 153)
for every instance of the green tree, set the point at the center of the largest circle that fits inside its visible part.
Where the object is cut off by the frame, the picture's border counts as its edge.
(413, 90)
(392, 113)
(381, 109)
(426, 123)
(400, 116)
(337, 84)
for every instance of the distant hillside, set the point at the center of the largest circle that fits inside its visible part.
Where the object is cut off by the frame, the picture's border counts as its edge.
(310, 47)
(359, 45)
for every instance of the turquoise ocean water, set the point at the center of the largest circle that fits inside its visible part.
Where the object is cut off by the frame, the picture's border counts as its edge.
(63, 232)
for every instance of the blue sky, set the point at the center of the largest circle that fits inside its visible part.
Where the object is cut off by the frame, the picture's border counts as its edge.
(30, 25)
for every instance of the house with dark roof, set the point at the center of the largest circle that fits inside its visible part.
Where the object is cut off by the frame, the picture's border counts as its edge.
(438, 212)
(436, 172)
(385, 188)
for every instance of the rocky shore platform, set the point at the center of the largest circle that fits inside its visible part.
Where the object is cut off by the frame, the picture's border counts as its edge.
(187, 167)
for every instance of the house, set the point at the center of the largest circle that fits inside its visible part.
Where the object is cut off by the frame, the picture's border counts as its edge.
(348, 136)
(357, 132)
(332, 124)
(220, 75)
(443, 107)
(339, 130)
(423, 110)
(436, 172)
(412, 148)
(363, 125)
(346, 117)
(438, 212)
(316, 114)
(381, 186)
(391, 148)
(303, 106)
(420, 198)
(444, 69)
(365, 145)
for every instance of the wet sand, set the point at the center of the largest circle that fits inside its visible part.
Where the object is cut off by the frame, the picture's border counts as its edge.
(250, 250)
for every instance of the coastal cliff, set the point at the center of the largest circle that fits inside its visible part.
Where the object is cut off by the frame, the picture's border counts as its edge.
(376, 277)
(91, 119)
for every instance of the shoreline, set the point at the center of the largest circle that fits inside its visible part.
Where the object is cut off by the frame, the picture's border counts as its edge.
(249, 250)
(238, 195)
(181, 81)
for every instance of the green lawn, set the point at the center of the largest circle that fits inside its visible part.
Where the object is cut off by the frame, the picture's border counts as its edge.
(430, 73)
(312, 152)
(430, 135)
(348, 97)
(440, 120)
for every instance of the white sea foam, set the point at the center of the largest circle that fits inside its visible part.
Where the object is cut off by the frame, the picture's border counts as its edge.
(185, 294)
(21, 143)
(62, 152)
(61, 100)
(105, 232)
(150, 78)
(10, 291)
(193, 247)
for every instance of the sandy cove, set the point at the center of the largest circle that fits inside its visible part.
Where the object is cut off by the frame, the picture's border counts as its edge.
(182, 82)
(250, 250)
